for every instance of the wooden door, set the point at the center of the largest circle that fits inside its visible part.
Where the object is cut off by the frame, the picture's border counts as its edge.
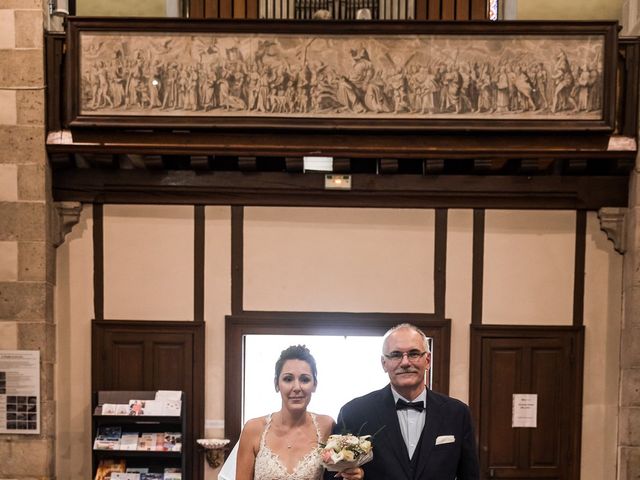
(152, 355)
(542, 361)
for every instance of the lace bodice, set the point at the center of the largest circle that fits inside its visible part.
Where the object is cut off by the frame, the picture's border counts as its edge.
(268, 465)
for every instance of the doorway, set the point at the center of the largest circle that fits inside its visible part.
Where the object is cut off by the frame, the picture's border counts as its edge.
(543, 365)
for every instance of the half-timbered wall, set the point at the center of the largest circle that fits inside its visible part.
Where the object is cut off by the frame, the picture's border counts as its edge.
(343, 260)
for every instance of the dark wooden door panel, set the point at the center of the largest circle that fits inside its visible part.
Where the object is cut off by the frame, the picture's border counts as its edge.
(501, 445)
(171, 363)
(153, 355)
(546, 361)
(125, 364)
(548, 382)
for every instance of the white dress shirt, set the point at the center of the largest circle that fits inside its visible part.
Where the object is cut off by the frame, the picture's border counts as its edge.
(411, 421)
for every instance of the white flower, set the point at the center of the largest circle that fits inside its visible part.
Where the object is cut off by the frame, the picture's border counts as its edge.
(346, 451)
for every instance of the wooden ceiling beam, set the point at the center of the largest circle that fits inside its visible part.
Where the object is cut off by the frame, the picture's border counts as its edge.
(284, 188)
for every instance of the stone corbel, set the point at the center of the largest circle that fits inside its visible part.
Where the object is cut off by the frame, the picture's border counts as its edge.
(612, 222)
(64, 216)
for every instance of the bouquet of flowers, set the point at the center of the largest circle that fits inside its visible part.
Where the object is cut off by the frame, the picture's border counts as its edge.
(346, 451)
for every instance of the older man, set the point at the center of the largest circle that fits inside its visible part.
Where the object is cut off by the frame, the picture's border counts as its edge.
(422, 435)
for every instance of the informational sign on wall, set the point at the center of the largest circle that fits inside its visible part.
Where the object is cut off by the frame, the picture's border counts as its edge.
(524, 410)
(20, 391)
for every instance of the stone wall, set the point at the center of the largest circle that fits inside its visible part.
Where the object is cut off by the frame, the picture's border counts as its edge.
(629, 412)
(631, 17)
(26, 253)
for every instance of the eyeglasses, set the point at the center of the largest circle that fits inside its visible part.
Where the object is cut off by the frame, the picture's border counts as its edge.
(412, 355)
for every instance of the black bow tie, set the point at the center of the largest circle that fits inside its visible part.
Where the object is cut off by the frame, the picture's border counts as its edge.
(403, 405)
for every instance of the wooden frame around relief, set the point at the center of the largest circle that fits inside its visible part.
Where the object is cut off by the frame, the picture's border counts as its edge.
(330, 75)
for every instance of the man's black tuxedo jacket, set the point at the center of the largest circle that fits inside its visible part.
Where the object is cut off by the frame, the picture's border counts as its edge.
(446, 418)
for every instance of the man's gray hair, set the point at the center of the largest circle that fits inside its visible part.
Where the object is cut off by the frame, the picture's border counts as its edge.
(409, 326)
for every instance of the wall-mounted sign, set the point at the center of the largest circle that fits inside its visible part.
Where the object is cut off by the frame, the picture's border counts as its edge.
(524, 413)
(20, 391)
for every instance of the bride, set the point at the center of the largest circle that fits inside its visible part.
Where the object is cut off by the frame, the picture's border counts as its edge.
(284, 444)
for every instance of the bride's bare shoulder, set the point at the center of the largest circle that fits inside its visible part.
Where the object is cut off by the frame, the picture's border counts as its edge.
(325, 422)
(254, 426)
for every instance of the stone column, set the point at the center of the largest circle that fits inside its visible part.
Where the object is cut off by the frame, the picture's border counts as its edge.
(26, 253)
(629, 412)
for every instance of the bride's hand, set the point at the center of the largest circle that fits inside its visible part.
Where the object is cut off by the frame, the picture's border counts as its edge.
(352, 474)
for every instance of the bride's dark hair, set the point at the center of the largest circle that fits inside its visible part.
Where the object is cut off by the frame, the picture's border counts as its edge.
(296, 352)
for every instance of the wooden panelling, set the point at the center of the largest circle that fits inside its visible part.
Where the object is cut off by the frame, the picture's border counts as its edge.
(225, 8)
(545, 440)
(478, 266)
(434, 10)
(580, 258)
(424, 9)
(630, 85)
(239, 9)
(169, 362)
(152, 355)
(237, 259)
(370, 190)
(252, 8)
(198, 8)
(478, 9)
(462, 9)
(212, 8)
(448, 10)
(98, 261)
(54, 44)
(127, 363)
(198, 263)
(440, 262)
(502, 440)
(546, 361)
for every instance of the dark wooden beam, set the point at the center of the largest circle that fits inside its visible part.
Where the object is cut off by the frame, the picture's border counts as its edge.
(535, 165)
(283, 188)
(433, 166)
(338, 145)
(579, 265)
(388, 165)
(200, 162)
(247, 164)
(294, 164)
(153, 162)
(477, 274)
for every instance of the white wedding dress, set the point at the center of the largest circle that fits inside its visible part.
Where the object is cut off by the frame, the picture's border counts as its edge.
(268, 465)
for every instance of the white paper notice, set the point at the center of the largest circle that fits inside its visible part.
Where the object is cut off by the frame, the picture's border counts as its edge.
(525, 410)
(19, 391)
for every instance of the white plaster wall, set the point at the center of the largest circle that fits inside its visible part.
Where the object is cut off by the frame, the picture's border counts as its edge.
(458, 298)
(125, 8)
(347, 260)
(148, 262)
(568, 9)
(73, 301)
(602, 320)
(217, 283)
(528, 280)
(529, 261)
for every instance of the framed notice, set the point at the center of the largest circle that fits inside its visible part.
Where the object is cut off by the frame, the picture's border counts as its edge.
(525, 410)
(20, 391)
